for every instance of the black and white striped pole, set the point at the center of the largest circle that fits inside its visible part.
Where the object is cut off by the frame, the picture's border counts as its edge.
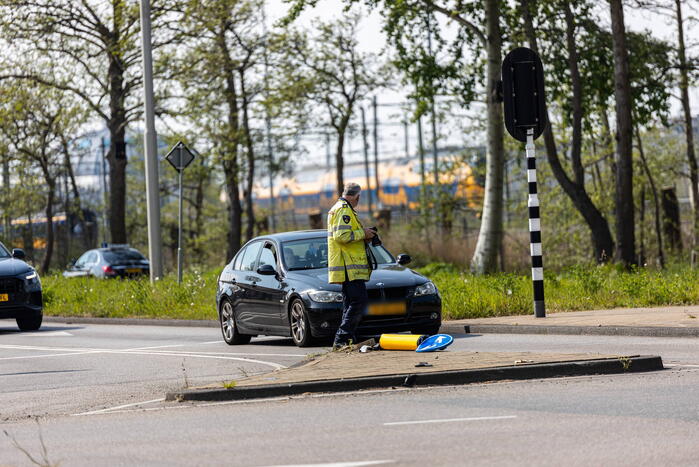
(525, 120)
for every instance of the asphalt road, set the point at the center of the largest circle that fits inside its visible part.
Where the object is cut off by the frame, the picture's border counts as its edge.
(97, 390)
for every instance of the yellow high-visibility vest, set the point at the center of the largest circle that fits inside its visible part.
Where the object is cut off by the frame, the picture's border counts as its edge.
(346, 247)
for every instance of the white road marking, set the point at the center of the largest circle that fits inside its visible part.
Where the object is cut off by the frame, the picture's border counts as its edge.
(680, 365)
(46, 334)
(339, 464)
(241, 354)
(109, 409)
(69, 351)
(448, 420)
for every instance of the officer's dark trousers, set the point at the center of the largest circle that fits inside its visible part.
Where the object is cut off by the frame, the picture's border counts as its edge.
(354, 303)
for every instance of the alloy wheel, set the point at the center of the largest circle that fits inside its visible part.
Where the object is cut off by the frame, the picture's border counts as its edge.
(298, 322)
(227, 321)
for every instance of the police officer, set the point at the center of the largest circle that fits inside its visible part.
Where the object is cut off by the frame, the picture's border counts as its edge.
(348, 263)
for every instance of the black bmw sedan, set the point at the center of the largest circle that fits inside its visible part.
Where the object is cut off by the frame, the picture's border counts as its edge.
(278, 285)
(20, 290)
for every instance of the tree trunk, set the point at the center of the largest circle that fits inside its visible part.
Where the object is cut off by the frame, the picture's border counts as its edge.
(626, 252)
(231, 167)
(490, 236)
(602, 241)
(689, 134)
(656, 201)
(117, 131)
(250, 180)
(46, 264)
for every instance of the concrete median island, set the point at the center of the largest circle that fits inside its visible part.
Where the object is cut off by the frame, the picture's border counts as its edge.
(349, 371)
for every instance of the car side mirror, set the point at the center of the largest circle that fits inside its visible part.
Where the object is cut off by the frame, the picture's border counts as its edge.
(18, 253)
(267, 270)
(403, 259)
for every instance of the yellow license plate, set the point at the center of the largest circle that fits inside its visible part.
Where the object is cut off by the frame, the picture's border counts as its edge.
(4, 297)
(378, 309)
(132, 270)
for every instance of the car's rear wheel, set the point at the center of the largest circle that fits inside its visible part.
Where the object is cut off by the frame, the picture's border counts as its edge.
(30, 323)
(229, 328)
(300, 325)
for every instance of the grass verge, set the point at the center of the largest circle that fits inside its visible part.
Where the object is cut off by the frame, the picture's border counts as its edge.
(464, 295)
(579, 288)
(134, 298)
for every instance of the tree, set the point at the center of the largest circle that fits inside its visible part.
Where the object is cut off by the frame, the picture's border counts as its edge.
(90, 49)
(602, 241)
(330, 71)
(626, 252)
(478, 29)
(224, 44)
(33, 122)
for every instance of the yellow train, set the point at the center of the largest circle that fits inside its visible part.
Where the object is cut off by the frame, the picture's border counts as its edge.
(313, 189)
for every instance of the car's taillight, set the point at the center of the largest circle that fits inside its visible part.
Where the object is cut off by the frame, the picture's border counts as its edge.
(108, 270)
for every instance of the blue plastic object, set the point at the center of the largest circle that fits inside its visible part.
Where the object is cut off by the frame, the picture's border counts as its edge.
(436, 342)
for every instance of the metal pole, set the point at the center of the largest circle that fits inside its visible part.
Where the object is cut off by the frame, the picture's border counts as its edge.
(366, 161)
(405, 139)
(375, 104)
(435, 159)
(421, 149)
(179, 230)
(535, 230)
(151, 156)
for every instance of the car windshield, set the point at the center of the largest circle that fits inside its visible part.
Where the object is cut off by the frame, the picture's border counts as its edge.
(3, 252)
(312, 253)
(116, 256)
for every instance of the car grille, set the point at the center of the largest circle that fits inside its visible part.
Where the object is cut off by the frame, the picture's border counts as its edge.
(11, 286)
(389, 293)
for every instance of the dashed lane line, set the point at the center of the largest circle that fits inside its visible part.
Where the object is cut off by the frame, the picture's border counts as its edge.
(340, 464)
(449, 420)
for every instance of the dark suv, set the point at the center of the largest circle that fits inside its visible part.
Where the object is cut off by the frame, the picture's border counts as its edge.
(20, 290)
(111, 261)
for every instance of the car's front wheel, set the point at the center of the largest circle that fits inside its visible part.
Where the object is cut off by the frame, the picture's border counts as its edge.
(30, 323)
(299, 324)
(229, 328)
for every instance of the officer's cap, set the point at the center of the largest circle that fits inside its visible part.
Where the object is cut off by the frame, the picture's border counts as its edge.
(351, 189)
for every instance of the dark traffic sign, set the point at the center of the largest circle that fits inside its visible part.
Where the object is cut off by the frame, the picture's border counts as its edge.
(523, 92)
(180, 156)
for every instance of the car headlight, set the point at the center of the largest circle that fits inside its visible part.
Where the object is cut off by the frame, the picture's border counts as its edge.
(31, 277)
(325, 296)
(428, 288)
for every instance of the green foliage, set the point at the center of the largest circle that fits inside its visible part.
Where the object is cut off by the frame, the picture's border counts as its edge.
(193, 299)
(587, 287)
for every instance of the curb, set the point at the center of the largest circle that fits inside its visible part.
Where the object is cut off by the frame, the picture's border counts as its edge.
(133, 321)
(642, 331)
(535, 371)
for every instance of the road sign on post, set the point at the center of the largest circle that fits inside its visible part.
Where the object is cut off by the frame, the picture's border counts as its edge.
(525, 120)
(179, 157)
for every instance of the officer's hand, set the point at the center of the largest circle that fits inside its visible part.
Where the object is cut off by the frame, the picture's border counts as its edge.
(368, 233)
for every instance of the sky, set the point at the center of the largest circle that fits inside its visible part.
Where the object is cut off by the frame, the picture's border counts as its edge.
(372, 39)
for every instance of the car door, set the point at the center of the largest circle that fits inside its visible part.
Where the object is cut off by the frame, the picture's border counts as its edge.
(269, 292)
(246, 278)
(80, 268)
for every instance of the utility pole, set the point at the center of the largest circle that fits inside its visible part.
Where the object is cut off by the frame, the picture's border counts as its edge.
(376, 153)
(405, 138)
(365, 147)
(435, 159)
(151, 156)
